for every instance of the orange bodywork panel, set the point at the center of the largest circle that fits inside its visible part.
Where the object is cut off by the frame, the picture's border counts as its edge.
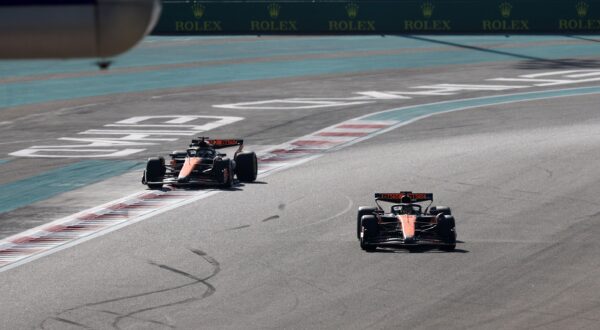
(188, 166)
(407, 221)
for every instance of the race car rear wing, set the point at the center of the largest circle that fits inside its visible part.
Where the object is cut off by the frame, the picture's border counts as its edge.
(217, 143)
(403, 196)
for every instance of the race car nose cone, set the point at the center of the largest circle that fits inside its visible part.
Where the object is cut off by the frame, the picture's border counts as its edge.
(184, 179)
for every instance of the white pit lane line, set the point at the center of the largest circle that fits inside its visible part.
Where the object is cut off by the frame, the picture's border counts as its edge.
(88, 224)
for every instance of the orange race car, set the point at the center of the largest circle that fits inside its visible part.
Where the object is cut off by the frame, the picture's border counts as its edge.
(407, 224)
(201, 164)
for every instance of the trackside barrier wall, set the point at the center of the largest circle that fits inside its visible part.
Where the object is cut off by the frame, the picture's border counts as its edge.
(380, 17)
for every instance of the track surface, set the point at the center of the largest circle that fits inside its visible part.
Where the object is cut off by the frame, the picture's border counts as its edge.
(522, 179)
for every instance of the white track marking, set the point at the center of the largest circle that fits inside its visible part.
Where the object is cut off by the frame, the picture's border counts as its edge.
(164, 125)
(552, 78)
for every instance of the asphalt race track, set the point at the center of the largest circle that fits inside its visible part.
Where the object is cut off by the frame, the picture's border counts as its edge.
(517, 163)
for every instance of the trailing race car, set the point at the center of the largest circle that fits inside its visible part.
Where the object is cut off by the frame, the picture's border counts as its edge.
(407, 224)
(201, 164)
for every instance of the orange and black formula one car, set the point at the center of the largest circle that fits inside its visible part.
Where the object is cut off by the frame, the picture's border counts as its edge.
(202, 164)
(407, 224)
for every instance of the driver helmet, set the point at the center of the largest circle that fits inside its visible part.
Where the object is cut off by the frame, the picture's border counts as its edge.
(406, 209)
(204, 144)
(204, 152)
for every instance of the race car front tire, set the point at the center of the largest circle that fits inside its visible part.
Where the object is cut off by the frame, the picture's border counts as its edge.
(246, 166)
(362, 210)
(369, 230)
(155, 172)
(446, 229)
(223, 171)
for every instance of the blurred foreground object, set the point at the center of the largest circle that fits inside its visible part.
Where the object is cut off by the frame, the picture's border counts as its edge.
(42, 29)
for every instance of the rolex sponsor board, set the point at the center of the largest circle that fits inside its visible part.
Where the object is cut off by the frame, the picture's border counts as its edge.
(509, 19)
(379, 17)
(274, 20)
(196, 20)
(353, 22)
(579, 18)
(426, 21)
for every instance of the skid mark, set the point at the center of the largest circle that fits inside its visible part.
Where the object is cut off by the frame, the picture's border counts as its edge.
(114, 319)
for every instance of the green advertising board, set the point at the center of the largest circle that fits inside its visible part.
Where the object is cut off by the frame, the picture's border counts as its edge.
(380, 17)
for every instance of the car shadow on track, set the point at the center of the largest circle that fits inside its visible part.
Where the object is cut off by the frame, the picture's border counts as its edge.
(237, 187)
(199, 188)
(417, 249)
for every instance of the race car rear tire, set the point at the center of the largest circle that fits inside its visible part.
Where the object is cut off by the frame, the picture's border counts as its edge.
(446, 228)
(370, 230)
(362, 210)
(155, 171)
(246, 166)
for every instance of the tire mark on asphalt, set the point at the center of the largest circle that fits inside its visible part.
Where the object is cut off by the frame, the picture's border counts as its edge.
(273, 217)
(345, 210)
(136, 318)
(120, 318)
(43, 324)
(238, 227)
(210, 290)
(60, 319)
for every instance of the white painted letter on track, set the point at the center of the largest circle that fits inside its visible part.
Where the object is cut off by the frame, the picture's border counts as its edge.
(140, 131)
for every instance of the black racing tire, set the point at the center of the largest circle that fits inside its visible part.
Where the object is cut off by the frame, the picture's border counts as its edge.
(223, 170)
(446, 229)
(362, 210)
(155, 171)
(370, 230)
(435, 210)
(246, 166)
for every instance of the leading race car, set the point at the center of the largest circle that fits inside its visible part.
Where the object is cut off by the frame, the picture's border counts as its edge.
(201, 164)
(407, 224)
